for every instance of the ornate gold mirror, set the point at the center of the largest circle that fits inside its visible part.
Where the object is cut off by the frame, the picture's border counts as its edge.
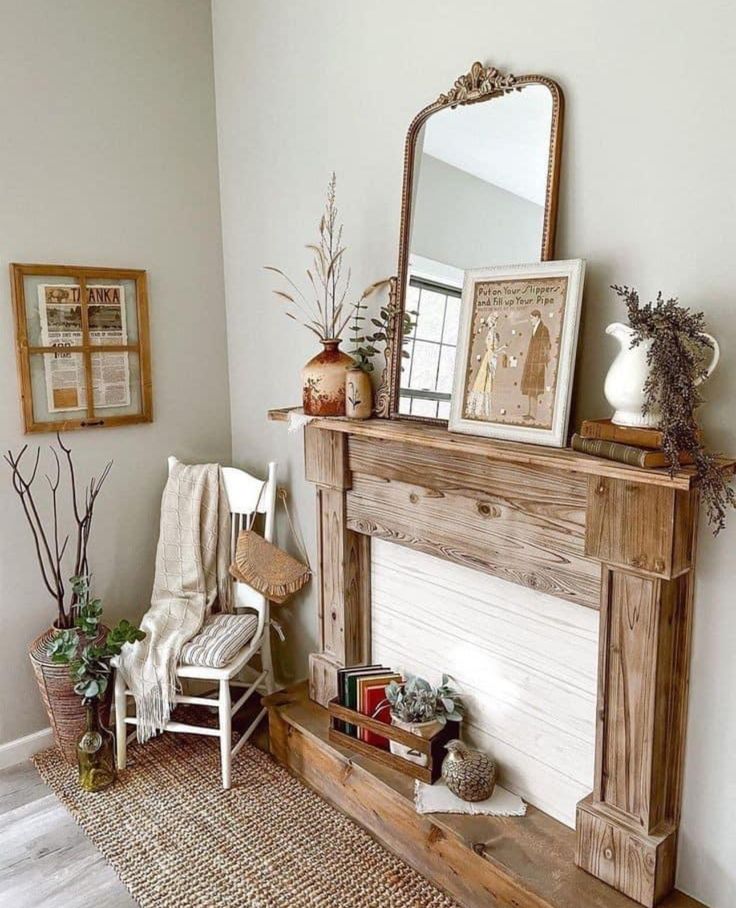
(480, 189)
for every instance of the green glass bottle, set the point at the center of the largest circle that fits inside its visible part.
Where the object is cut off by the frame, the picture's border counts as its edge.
(95, 752)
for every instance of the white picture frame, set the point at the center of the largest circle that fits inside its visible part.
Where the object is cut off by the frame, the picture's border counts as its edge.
(516, 351)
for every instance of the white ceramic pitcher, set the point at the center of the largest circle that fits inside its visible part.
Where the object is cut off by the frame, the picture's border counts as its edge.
(624, 386)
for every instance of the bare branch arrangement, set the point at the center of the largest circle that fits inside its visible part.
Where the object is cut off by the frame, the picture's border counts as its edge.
(326, 312)
(50, 548)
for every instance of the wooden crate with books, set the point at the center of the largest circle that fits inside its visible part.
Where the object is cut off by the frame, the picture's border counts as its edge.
(360, 719)
(633, 445)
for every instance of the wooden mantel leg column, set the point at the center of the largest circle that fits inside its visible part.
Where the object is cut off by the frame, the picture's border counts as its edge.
(627, 828)
(344, 566)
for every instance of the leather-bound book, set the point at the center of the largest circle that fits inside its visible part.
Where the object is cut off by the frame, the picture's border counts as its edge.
(635, 457)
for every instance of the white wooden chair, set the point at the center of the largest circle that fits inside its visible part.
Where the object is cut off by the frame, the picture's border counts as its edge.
(245, 493)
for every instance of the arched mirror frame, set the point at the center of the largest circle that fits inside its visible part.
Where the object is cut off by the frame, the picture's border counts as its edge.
(480, 84)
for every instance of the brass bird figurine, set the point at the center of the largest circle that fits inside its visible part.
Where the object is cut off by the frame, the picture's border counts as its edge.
(469, 774)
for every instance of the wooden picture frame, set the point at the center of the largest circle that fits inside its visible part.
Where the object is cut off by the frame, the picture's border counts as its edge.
(98, 317)
(516, 351)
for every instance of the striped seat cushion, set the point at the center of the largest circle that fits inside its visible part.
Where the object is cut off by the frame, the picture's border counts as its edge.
(220, 640)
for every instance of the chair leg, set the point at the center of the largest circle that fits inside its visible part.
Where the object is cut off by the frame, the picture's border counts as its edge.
(266, 659)
(120, 713)
(225, 732)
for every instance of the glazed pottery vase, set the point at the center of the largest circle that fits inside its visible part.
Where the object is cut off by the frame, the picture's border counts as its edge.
(469, 774)
(423, 729)
(95, 751)
(63, 707)
(358, 394)
(323, 381)
(624, 385)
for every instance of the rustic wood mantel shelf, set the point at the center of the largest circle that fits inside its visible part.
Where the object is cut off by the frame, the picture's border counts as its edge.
(604, 535)
(438, 437)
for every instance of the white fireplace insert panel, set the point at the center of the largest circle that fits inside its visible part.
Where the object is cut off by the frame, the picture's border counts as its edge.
(525, 661)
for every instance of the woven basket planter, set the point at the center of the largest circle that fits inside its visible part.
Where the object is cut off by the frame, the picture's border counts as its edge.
(63, 707)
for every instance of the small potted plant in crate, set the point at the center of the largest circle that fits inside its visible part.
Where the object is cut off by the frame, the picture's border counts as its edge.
(420, 708)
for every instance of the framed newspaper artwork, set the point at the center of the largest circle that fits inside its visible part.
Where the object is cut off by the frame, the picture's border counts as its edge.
(516, 351)
(83, 346)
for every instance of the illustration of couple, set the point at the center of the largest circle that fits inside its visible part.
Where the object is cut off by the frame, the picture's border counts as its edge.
(480, 398)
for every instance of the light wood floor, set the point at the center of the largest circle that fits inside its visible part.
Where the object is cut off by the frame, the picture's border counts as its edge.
(45, 858)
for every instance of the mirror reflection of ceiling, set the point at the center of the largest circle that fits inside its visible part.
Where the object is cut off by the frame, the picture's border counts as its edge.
(477, 199)
(504, 141)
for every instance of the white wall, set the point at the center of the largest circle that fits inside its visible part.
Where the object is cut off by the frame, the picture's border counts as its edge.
(526, 663)
(646, 198)
(108, 156)
(499, 228)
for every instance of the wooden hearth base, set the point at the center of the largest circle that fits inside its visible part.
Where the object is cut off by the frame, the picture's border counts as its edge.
(515, 862)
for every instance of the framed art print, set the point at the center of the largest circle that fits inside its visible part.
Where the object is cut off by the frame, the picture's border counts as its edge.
(516, 351)
(83, 346)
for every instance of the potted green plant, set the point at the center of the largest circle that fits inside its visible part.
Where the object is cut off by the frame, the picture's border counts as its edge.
(422, 709)
(366, 346)
(88, 664)
(60, 554)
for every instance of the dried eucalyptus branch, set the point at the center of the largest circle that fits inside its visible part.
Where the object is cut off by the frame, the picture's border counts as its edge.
(675, 358)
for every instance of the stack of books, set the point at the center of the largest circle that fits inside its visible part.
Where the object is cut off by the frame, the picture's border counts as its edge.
(363, 688)
(626, 444)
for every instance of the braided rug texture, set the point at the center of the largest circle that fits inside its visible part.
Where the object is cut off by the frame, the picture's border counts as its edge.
(175, 838)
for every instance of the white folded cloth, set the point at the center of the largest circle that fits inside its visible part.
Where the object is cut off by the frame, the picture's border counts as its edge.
(296, 420)
(438, 798)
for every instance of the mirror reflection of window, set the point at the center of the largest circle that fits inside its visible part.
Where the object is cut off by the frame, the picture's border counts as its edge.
(478, 195)
(428, 370)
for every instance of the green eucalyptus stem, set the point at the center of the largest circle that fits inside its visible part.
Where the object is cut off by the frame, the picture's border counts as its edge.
(89, 662)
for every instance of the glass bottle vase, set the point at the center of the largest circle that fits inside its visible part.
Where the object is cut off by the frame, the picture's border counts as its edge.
(95, 752)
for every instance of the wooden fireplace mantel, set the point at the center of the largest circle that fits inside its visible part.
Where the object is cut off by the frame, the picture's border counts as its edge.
(604, 535)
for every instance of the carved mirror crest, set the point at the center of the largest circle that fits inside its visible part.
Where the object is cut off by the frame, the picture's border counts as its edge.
(480, 189)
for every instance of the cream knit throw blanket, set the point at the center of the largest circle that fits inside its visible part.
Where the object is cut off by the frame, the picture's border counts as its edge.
(192, 563)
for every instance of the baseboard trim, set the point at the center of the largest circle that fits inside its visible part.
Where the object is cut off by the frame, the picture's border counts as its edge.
(21, 749)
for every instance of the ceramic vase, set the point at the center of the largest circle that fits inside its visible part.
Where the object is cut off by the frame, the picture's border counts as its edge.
(624, 385)
(323, 381)
(358, 394)
(423, 729)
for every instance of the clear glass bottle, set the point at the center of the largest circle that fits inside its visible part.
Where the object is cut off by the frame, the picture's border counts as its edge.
(95, 751)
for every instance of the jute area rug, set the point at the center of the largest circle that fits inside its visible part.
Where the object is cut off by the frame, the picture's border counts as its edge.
(175, 838)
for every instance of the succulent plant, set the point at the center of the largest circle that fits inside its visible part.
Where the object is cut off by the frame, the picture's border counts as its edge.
(416, 700)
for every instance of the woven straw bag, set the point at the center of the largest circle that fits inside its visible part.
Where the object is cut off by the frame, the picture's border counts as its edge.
(267, 568)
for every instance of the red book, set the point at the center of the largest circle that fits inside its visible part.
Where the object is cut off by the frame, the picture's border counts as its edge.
(372, 691)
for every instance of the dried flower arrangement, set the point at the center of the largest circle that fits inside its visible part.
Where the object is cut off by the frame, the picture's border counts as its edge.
(326, 313)
(675, 359)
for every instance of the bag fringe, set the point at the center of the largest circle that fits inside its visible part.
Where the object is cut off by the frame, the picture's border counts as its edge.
(276, 592)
